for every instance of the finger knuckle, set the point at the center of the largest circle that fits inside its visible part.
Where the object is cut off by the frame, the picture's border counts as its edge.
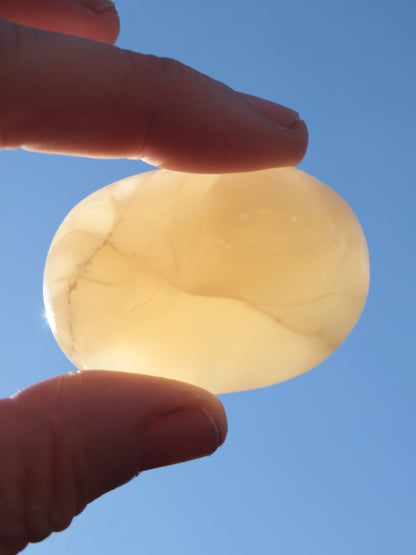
(38, 481)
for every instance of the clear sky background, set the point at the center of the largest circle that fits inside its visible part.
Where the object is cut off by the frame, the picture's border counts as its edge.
(323, 464)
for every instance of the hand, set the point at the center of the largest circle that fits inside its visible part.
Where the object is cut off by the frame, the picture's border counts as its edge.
(68, 440)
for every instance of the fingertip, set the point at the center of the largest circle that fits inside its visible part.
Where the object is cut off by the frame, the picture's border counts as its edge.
(273, 111)
(109, 25)
(91, 19)
(178, 436)
(300, 134)
(220, 417)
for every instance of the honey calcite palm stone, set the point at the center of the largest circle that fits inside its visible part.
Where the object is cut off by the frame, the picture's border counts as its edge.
(229, 282)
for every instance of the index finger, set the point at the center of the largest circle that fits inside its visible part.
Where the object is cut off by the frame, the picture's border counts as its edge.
(69, 95)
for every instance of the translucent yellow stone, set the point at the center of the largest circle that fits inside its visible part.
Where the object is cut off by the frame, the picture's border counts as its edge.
(229, 282)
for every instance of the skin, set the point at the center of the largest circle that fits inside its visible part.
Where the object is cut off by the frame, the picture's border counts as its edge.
(66, 89)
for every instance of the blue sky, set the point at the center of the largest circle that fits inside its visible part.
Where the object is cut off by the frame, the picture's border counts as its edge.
(322, 464)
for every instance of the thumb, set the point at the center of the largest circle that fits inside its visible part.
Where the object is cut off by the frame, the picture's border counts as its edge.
(66, 441)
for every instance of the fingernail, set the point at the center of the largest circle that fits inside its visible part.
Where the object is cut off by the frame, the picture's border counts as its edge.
(178, 436)
(99, 5)
(276, 112)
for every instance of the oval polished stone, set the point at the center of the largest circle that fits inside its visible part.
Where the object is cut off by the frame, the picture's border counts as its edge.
(229, 282)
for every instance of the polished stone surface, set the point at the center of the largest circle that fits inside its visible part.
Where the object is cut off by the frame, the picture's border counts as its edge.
(229, 282)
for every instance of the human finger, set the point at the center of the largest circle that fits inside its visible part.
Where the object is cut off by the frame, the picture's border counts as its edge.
(66, 441)
(69, 95)
(91, 19)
